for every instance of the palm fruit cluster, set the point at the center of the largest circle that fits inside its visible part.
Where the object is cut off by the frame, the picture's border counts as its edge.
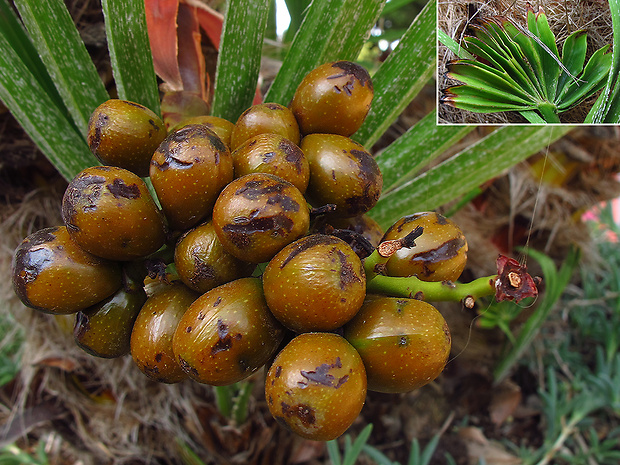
(249, 252)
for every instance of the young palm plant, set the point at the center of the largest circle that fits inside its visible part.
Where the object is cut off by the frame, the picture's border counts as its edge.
(517, 69)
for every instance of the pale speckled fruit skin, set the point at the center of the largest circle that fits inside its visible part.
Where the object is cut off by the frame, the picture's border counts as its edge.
(258, 214)
(51, 273)
(151, 337)
(440, 253)
(342, 173)
(265, 118)
(316, 386)
(220, 126)
(202, 263)
(104, 330)
(317, 283)
(227, 334)
(273, 154)
(125, 134)
(110, 213)
(333, 98)
(188, 171)
(404, 343)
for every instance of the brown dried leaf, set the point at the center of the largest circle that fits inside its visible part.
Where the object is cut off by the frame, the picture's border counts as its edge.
(504, 402)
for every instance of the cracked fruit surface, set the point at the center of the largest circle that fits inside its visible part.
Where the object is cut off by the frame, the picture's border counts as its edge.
(188, 171)
(333, 98)
(316, 386)
(404, 343)
(51, 273)
(110, 213)
(258, 214)
(440, 253)
(151, 337)
(317, 283)
(227, 334)
(125, 134)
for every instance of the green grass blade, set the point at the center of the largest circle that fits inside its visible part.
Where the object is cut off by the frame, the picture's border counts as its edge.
(422, 143)
(573, 57)
(352, 29)
(453, 45)
(403, 74)
(357, 446)
(44, 122)
(555, 283)
(130, 52)
(591, 80)
(326, 34)
(13, 30)
(65, 56)
(466, 170)
(238, 62)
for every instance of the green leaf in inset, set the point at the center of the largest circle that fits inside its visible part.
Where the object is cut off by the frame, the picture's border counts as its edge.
(527, 46)
(130, 52)
(65, 57)
(423, 142)
(483, 100)
(548, 51)
(591, 80)
(238, 61)
(45, 123)
(453, 46)
(401, 76)
(465, 171)
(573, 57)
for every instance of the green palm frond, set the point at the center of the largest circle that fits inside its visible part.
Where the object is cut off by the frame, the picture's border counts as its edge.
(517, 69)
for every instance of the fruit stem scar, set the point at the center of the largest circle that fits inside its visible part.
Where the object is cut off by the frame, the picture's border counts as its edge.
(375, 263)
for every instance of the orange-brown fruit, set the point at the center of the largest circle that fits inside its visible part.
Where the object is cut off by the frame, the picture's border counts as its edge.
(317, 283)
(125, 134)
(227, 334)
(316, 386)
(51, 273)
(258, 214)
(265, 118)
(362, 224)
(333, 98)
(104, 330)
(273, 154)
(202, 263)
(110, 213)
(151, 337)
(404, 343)
(188, 171)
(342, 173)
(440, 253)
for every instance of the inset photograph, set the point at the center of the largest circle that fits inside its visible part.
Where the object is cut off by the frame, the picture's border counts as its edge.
(516, 62)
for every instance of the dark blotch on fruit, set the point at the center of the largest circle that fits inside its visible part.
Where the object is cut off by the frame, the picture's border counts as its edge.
(158, 359)
(347, 273)
(82, 324)
(240, 231)
(217, 143)
(447, 250)
(226, 339)
(95, 140)
(352, 70)
(252, 190)
(119, 189)
(293, 154)
(273, 106)
(217, 302)
(304, 412)
(278, 371)
(321, 376)
(308, 243)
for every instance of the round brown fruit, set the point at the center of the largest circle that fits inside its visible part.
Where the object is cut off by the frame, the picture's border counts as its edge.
(188, 171)
(342, 173)
(220, 126)
(51, 273)
(273, 154)
(125, 134)
(317, 283)
(404, 343)
(151, 337)
(333, 98)
(104, 330)
(227, 334)
(110, 213)
(362, 224)
(440, 253)
(202, 263)
(258, 214)
(316, 386)
(265, 118)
